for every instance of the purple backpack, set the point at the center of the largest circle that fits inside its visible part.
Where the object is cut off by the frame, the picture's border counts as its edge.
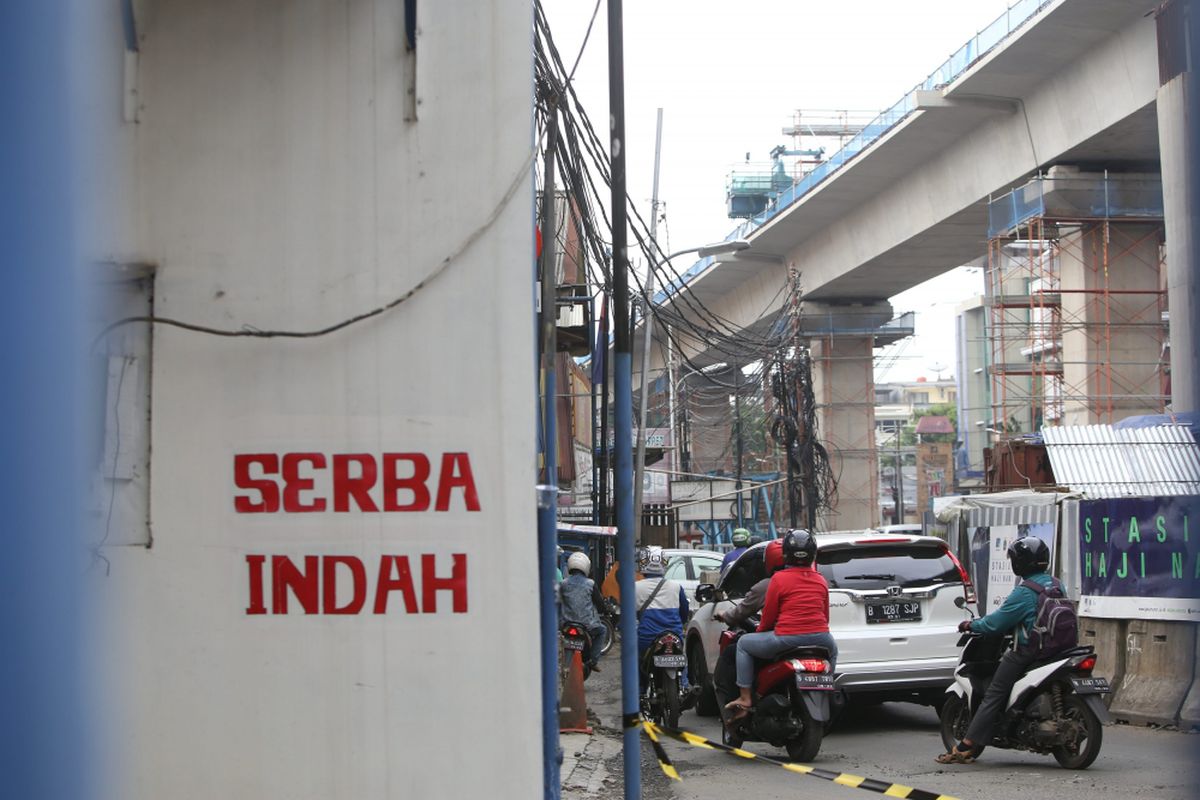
(1055, 626)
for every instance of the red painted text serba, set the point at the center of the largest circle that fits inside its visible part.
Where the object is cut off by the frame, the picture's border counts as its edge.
(313, 482)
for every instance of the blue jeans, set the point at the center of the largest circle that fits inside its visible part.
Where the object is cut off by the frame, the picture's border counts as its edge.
(767, 644)
(599, 635)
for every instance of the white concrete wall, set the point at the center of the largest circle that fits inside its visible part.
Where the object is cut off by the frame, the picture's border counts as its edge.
(272, 179)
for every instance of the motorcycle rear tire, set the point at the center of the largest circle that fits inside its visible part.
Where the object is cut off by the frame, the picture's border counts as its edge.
(612, 635)
(670, 699)
(1081, 757)
(955, 717)
(728, 739)
(805, 747)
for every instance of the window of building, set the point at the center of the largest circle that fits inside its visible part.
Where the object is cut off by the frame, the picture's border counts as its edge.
(119, 498)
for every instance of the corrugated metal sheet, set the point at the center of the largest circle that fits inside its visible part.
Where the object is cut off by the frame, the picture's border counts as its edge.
(1002, 508)
(1103, 462)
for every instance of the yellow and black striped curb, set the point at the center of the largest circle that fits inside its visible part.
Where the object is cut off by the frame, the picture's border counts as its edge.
(653, 731)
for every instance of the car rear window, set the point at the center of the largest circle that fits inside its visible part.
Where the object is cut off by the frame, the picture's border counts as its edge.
(880, 566)
(699, 564)
(746, 571)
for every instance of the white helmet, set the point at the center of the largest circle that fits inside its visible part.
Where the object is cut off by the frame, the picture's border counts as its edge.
(652, 560)
(579, 561)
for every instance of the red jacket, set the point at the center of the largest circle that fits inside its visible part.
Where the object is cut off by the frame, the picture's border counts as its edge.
(797, 602)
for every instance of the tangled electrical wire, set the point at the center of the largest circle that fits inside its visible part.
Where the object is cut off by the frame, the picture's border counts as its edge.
(795, 428)
(582, 159)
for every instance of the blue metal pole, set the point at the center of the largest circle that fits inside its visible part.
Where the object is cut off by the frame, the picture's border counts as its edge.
(548, 492)
(622, 380)
(45, 729)
(623, 369)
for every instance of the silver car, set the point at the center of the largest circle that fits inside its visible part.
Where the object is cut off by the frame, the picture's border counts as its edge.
(686, 565)
(891, 612)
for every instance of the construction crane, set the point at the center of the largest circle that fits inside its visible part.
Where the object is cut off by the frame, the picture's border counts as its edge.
(750, 193)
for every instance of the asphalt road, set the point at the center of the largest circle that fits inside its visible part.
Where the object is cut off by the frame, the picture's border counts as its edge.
(896, 743)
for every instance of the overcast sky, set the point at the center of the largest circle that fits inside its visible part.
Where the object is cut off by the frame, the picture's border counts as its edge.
(729, 77)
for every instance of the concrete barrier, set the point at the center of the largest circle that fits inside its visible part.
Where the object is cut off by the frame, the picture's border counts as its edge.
(1158, 672)
(1189, 715)
(1108, 637)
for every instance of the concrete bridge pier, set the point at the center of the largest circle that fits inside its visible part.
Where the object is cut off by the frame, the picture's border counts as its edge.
(1112, 321)
(842, 341)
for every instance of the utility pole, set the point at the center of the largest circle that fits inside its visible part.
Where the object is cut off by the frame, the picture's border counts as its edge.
(622, 380)
(548, 491)
(647, 328)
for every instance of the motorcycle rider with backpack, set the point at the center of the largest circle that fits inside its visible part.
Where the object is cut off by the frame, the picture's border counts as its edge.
(1035, 598)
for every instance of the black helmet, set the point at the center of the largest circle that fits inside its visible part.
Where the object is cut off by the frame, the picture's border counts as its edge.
(799, 547)
(1028, 555)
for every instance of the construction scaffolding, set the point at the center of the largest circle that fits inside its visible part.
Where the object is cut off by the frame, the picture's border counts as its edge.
(1076, 297)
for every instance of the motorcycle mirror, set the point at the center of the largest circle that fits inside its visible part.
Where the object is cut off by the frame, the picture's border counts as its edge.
(960, 601)
(706, 593)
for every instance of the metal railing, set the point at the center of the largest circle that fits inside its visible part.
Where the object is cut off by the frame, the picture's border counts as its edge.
(1076, 198)
(959, 62)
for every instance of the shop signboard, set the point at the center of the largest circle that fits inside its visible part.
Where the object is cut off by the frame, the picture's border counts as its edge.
(1138, 559)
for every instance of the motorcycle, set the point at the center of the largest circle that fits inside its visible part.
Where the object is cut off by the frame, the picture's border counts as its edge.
(791, 701)
(662, 669)
(610, 616)
(573, 638)
(1054, 708)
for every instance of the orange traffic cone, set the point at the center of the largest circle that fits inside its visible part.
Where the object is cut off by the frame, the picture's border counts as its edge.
(572, 708)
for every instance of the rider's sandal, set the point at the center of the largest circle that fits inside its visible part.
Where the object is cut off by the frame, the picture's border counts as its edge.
(957, 755)
(737, 711)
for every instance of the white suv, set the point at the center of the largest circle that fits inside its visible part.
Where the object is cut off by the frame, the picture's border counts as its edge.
(891, 612)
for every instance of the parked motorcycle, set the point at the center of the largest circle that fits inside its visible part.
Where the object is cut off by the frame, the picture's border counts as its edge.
(1054, 708)
(791, 701)
(662, 669)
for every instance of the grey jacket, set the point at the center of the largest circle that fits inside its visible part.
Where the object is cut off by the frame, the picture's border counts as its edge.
(751, 604)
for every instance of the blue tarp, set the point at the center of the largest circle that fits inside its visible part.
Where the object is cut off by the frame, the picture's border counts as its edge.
(1189, 418)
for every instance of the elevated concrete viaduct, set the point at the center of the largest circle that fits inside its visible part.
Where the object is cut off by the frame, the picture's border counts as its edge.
(1075, 83)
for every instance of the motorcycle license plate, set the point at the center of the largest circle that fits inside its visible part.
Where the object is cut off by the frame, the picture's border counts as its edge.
(814, 680)
(1090, 685)
(572, 644)
(894, 611)
(678, 660)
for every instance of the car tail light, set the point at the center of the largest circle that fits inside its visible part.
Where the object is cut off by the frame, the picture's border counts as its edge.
(1086, 664)
(810, 665)
(968, 587)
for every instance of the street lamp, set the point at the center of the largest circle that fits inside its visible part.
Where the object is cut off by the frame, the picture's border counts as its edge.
(639, 463)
